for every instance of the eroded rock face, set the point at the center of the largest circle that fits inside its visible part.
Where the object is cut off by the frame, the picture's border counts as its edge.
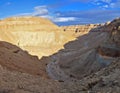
(33, 34)
(79, 30)
(111, 47)
(115, 32)
(79, 58)
(88, 54)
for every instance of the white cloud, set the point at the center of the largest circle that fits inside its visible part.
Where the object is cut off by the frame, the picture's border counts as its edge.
(40, 10)
(64, 19)
(105, 6)
(115, 4)
(90, 16)
(106, 3)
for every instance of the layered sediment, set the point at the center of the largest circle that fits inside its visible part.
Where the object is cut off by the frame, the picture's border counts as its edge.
(34, 34)
(78, 30)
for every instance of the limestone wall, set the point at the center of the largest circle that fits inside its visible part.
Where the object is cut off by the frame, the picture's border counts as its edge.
(34, 34)
(77, 30)
(27, 24)
(81, 28)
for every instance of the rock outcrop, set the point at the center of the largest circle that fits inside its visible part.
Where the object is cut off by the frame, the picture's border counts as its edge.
(79, 30)
(88, 54)
(79, 58)
(111, 47)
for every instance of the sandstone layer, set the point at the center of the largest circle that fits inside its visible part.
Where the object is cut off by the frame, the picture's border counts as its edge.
(79, 30)
(33, 34)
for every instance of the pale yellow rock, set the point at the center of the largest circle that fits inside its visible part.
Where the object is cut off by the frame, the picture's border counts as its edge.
(75, 30)
(37, 35)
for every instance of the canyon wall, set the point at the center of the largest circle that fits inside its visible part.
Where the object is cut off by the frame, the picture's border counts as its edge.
(40, 36)
(78, 30)
(37, 35)
(88, 53)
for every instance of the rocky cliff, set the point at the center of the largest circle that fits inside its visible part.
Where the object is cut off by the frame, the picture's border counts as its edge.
(79, 58)
(88, 54)
(79, 30)
(111, 47)
(33, 34)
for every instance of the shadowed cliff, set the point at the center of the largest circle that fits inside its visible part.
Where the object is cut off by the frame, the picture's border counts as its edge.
(86, 55)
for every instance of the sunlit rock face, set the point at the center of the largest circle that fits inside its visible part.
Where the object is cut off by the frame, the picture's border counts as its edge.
(79, 30)
(37, 35)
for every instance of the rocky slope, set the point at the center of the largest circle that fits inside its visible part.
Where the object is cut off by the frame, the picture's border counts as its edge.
(15, 59)
(88, 54)
(16, 82)
(79, 58)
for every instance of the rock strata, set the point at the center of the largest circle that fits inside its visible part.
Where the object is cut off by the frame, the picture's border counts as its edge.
(33, 34)
(77, 30)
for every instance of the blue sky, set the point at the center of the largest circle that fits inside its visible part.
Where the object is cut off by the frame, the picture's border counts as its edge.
(63, 12)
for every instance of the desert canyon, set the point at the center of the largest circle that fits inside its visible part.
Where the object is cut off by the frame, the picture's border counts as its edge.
(37, 56)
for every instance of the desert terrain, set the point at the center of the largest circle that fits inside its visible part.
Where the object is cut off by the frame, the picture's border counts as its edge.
(37, 56)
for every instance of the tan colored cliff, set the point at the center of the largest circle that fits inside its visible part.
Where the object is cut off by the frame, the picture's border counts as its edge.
(37, 35)
(79, 30)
